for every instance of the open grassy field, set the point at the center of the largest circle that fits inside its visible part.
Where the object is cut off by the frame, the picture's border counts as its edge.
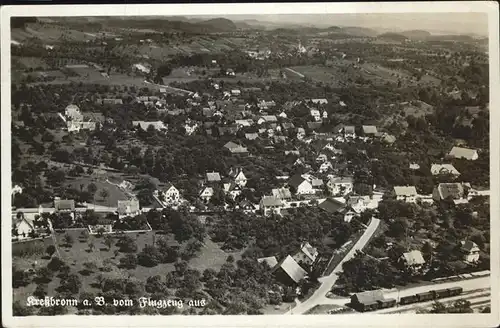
(49, 33)
(211, 256)
(326, 74)
(28, 62)
(115, 194)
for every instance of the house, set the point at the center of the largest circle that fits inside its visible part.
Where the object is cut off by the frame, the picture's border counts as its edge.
(64, 205)
(325, 114)
(388, 138)
(466, 153)
(170, 194)
(157, 125)
(230, 72)
(235, 148)
(306, 255)
(413, 260)
(244, 123)
(340, 186)
(282, 193)
(21, 227)
(72, 112)
(321, 158)
(282, 115)
(190, 127)
(76, 126)
(128, 208)
(270, 261)
(289, 272)
(350, 213)
(238, 176)
(319, 101)
(103, 224)
(251, 136)
(227, 130)
(287, 125)
(443, 169)
(301, 133)
(325, 167)
(458, 192)
(317, 184)
(267, 119)
(331, 205)
(370, 299)
(206, 194)
(369, 130)
(316, 114)
(301, 185)
(415, 166)
(407, 194)
(235, 92)
(349, 131)
(470, 251)
(16, 190)
(292, 152)
(213, 177)
(270, 205)
(232, 189)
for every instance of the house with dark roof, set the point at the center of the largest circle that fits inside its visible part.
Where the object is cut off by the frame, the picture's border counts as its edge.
(331, 205)
(307, 255)
(370, 300)
(271, 205)
(238, 176)
(206, 193)
(232, 189)
(289, 272)
(470, 251)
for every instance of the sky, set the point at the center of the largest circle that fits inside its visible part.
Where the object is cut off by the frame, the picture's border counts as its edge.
(436, 23)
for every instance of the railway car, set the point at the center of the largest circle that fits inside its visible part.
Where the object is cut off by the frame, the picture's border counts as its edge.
(441, 293)
(408, 299)
(387, 303)
(455, 291)
(428, 296)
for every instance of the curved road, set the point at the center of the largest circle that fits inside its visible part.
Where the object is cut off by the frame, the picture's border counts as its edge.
(328, 281)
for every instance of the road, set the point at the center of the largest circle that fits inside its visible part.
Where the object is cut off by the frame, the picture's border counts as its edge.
(328, 281)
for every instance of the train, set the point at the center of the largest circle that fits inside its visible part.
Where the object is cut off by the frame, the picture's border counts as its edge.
(405, 300)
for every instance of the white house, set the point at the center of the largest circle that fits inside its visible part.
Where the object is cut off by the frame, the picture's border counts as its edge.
(206, 194)
(340, 186)
(470, 251)
(349, 131)
(301, 185)
(413, 260)
(190, 127)
(325, 114)
(325, 167)
(232, 189)
(170, 194)
(72, 112)
(459, 152)
(406, 193)
(316, 114)
(306, 255)
(238, 176)
(128, 208)
(438, 169)
(321, 158)
(235, 92)
(21, 227)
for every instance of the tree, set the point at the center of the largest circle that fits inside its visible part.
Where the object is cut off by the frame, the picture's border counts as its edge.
(40, 291)
(44, 275)
(92, 188)
(149, 256)
(68, 240)
(91, 246)
(154, 284)
(129, 261)
(19, 310)
(50, 250)
(20, 278)
(104, 194)
(108, 241)
(71, 285)
(127, 245)
(55, 264)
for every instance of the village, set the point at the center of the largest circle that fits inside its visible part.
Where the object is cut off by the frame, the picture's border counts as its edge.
(186, 178)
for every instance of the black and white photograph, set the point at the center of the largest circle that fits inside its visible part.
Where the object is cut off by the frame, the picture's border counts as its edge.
(307, 163)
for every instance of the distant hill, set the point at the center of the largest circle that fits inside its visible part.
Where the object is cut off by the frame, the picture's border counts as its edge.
(416, 34)
(459, 37)
(392, 37)
(359, 31)
(218, 25)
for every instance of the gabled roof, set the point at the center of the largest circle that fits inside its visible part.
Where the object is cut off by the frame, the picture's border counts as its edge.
(369, 297)
(128, 206)
(414, 258)
(157, 125)
(331, 205)
(283, 193)
(213, 176)
(251, 136)
(341, 180)
(349, 129)
(271, 261)
(459, 152)
(209, 189)
(231, 145)
(292, 269)
(270, 118)
(369, 129)
(64, 204)
(453, 190)
(296, 180)
(405, 190)
(270, 201)
(444, 169)
(468, 245)
(287, 125)
(309, 251)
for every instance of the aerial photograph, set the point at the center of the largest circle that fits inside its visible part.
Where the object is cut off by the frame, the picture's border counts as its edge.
(250, 164)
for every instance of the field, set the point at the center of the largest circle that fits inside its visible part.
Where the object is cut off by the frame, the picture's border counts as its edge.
(210, 256)
(114, 193)
(325, 74)
(28, 62)
(419, 109)
(49, 33)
